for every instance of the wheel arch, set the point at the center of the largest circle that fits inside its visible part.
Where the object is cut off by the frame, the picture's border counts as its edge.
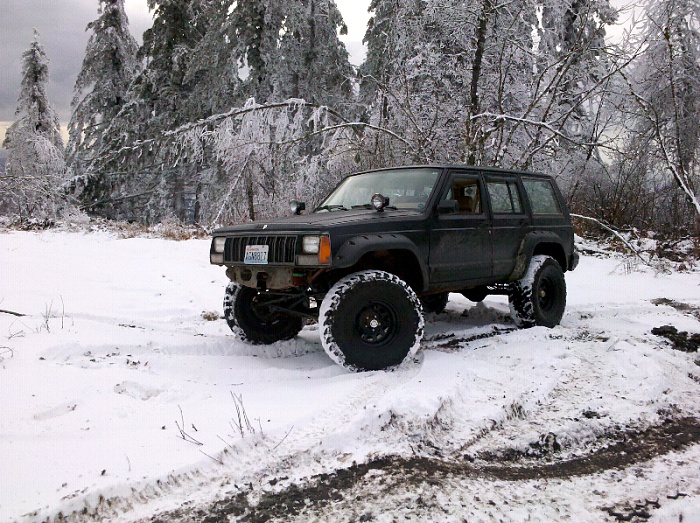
(534, 243)
(393, 253)
(554, 250)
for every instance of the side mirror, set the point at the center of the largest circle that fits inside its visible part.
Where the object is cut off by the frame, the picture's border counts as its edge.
(296, 207)
(447, 207)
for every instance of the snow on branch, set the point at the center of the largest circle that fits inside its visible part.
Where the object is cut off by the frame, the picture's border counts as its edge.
(249, 107)
(544, 125)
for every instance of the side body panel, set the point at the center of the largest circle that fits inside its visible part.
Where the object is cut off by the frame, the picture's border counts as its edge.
(509, 221)
(460, 242)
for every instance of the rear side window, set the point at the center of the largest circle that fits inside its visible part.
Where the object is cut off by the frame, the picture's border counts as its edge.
(504, 198)
(542, 197)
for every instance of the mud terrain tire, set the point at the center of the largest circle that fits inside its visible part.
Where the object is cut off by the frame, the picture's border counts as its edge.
(370, 320)
(250, 320)
(539, 297)
(435, 302)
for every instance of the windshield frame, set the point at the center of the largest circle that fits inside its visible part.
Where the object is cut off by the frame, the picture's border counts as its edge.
(351, 194)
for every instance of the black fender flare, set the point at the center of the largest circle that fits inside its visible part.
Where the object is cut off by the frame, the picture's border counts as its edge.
(356, 247)
(527, 248)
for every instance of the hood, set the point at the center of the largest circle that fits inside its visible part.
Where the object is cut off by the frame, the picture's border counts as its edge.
(318, 221)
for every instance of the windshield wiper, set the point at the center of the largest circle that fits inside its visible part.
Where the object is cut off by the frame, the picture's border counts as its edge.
(332, 208)
(369, 206)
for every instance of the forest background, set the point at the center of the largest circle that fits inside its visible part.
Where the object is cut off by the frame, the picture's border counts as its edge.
(229, 109)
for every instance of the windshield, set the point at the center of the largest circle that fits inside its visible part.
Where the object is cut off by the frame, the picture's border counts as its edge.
(405, 188)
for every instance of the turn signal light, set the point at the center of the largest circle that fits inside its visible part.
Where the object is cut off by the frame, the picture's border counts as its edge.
(324, 251)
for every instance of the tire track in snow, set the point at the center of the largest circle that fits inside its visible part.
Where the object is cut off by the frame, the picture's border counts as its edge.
(576, 412)
(357, 485)
(352, 409)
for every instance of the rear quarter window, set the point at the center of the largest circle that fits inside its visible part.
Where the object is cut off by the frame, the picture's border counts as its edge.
(504, 197)
(542, 198)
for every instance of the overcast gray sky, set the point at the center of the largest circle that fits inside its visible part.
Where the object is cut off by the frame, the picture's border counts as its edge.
(61, 25)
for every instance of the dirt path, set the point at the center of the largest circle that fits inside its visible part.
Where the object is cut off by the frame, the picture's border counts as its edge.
(622, 449)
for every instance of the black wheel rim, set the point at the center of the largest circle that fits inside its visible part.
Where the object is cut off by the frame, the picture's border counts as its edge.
(546, 293)
(376, 323)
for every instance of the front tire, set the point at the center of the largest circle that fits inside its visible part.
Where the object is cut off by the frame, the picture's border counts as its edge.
(370, 320)
(250, 318)
(539, 297)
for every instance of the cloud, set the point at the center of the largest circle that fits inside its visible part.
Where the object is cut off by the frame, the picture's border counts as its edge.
(61, 25)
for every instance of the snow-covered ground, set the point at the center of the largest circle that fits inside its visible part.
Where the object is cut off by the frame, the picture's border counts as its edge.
(123, 395)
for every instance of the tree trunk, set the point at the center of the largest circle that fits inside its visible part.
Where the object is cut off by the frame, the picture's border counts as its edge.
(474, 105)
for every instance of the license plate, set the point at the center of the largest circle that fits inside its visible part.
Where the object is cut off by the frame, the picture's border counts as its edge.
(256, 254)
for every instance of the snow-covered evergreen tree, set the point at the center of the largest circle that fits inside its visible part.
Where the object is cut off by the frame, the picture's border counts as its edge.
(313, 62)
(382, 39)
(188, 73)
(109, 66)
(164, 84)
(212, 69)
(291, 50)
(267, 148)
(35, 168)
(257, 25)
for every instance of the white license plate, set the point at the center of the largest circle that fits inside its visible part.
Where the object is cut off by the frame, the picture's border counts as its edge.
(256, 254)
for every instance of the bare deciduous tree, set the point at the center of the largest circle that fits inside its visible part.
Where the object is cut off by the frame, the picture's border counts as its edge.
(664, 95)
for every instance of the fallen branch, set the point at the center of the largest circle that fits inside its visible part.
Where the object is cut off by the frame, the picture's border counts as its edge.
(13, 313)
(617, 234)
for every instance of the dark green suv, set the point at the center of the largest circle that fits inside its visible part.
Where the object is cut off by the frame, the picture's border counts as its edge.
(388, 245)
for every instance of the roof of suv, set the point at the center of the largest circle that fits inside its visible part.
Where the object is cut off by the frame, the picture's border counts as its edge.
(461, 167)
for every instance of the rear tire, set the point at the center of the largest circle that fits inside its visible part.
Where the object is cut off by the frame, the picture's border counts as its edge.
(539, 297)
(251, 320)
(370, 320)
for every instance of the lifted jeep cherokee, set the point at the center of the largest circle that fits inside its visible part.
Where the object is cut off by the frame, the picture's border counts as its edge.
(387, 245)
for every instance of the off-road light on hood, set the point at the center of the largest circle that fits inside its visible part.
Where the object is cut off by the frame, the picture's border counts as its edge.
(296, 207)
(379, 202)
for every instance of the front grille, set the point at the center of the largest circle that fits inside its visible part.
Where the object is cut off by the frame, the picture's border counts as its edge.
(282, 248)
